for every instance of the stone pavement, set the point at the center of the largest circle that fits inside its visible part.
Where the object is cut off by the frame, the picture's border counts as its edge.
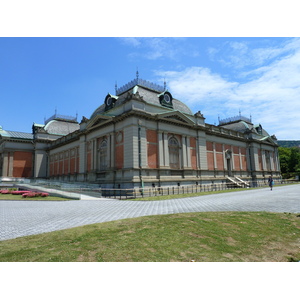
(22, 218)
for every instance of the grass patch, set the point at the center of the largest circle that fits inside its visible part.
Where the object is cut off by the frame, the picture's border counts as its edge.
(203, 237)
(20, 198)
(187, 195)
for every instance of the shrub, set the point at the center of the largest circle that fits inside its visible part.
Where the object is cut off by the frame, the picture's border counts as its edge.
(34, 194)
(5, 192)
(29, 195)
(19, 192)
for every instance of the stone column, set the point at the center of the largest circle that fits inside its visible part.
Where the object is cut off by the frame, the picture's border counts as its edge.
(112, 150)
(240, 156)
(184, 152)
(215, 157)
(201, 149)
(5, 164)
(166, 150)
(263, 158)
(232, 158)
(188, 153)
(82, 157)
(161, 151)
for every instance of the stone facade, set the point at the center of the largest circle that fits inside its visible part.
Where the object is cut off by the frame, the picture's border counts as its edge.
(141, 137)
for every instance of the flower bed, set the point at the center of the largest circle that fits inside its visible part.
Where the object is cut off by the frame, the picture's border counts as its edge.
(5, 192)
(19, 192)
(33, 194)
(25, 194)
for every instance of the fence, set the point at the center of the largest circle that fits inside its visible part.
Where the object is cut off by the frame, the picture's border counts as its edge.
(136, 193)
(177, 190)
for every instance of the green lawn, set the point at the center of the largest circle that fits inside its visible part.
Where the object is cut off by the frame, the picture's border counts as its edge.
(203, 237)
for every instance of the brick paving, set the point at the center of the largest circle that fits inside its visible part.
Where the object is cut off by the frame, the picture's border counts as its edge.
(22, 218)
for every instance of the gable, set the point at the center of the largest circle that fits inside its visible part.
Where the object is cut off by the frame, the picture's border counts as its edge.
(269, 140)
(98, 120)
(177, 117)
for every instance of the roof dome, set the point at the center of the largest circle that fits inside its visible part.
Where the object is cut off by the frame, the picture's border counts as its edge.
(61, 127)
(146, 90)
(243, 124)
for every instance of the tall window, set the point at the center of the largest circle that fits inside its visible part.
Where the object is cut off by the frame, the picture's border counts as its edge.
(103, 155)
(174, 153)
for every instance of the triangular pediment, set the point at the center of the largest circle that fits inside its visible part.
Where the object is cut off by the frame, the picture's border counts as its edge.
(176, 116)
(269, 140)
(97, 120)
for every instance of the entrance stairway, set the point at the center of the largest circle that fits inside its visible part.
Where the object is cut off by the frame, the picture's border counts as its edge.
(238, 182)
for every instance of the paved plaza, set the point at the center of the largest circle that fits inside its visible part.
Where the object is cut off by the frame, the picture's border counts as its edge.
(22, 218)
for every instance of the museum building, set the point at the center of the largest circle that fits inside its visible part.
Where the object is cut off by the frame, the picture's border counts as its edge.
(140, 136)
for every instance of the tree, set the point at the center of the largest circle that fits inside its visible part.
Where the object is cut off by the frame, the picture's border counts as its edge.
(289, 161)
(294, 159)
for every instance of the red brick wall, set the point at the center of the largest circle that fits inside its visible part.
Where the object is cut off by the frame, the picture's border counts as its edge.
(237, 165)
(219, 147)
(227, 147)
(22, 166)
(61, 163)
(119, 156)
(244, 163)
(51, 165)
(220, 161)
(236, 150)
(193, 153)
(56, 170)
(152, 148)
(66, 162)
(210, 161)
(74, 161)
(209, 146)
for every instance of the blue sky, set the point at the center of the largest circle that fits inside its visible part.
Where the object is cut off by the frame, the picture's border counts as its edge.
(218, 76)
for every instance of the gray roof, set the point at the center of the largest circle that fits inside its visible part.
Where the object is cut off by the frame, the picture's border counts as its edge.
(243, 126)
(16, 134)
(58, 127)
(149, 96)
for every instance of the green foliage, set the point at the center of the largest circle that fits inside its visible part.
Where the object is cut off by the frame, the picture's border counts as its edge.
(289, 161)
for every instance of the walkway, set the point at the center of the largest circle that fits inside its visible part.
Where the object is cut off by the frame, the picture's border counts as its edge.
(22, 218)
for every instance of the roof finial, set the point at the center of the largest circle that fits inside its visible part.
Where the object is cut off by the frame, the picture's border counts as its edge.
(137, 73)
(116, 87)
(165, 84)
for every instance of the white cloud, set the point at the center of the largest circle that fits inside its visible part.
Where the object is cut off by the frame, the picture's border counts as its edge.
(272, 97)
(239, 55)
(154, 48)
(131, 41)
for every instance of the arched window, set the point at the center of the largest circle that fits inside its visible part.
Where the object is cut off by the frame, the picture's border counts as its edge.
(103, 155)
(174, 153)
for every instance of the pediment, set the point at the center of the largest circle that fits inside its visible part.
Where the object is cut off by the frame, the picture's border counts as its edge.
(176, 116)
(97, 120)
(269, 140)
